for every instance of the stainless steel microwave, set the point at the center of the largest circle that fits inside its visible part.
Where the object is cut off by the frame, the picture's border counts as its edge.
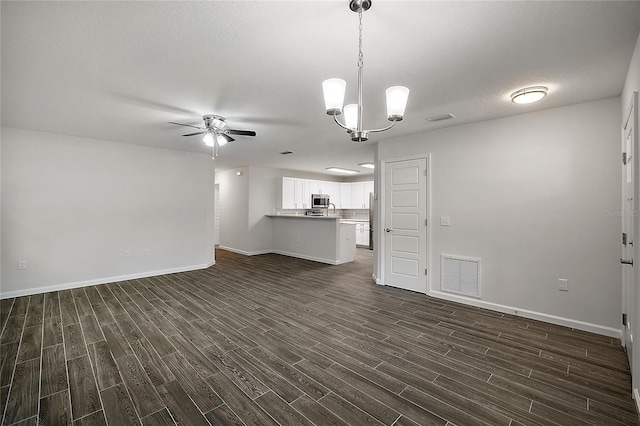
(319, 200)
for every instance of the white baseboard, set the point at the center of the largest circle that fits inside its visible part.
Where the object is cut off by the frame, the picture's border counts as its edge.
(67, 286)
(246, 253)
(636, 398)
(305, 257)
(376, 280)
(553, 319)
(284, 253)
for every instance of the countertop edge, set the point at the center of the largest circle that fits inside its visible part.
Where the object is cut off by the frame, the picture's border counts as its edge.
(287, 216)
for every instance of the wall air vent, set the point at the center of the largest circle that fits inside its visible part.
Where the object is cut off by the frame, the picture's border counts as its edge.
(460, 275)
(286, 152)
(442, 117)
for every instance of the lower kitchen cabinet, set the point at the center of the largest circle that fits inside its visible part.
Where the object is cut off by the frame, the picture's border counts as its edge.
(362, 233)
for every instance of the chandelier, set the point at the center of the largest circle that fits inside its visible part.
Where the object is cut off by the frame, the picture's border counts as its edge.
(334, 89)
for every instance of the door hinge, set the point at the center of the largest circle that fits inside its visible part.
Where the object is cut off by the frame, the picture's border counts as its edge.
(624, 158)
(425, 271)
(624, 238)
(426, 222)
(624, 319)
(425, 172)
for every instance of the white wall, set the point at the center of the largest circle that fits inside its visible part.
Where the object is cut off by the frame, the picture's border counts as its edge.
(528, 195)
(71, 206)
(234, 207)
(632, 82)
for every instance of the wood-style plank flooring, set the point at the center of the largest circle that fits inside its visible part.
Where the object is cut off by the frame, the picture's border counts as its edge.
(268, 340)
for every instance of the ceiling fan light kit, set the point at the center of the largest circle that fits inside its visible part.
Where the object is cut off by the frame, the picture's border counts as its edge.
(215, 131)
(334, 90)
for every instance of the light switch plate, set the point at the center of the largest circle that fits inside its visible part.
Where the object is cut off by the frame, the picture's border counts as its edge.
(445, 221)
(563, 284)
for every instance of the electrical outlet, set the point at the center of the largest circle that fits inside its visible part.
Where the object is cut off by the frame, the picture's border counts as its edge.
(127, 253)
(22, 264)
(147, 252)
(563, 284)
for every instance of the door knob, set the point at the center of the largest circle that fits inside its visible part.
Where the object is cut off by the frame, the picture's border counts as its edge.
(626, 262)
(387, 230)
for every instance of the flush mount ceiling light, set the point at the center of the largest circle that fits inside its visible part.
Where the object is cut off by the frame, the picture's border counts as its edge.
(341, 170)
(367, 165)
(334, 89)
(529, 95)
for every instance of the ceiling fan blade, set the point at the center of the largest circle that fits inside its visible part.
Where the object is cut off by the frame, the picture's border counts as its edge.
(187, 125)
(193, 134)
(227, 137)
(240, 132)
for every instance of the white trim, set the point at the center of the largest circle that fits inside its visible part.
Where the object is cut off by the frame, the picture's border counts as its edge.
(285, 253)
(636, 398)
(305, 257)
(540, 316)
(246, 253)
(381, 219)
(66, 286)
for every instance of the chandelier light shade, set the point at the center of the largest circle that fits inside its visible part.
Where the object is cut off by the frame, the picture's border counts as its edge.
(397, 97)
(334, 90)
(351, 116)
(208, 139)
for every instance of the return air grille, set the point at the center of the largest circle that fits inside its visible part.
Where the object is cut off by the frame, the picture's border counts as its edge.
(460, 275)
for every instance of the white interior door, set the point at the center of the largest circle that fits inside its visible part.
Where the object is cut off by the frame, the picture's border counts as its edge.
(405, 233)
(629, 216)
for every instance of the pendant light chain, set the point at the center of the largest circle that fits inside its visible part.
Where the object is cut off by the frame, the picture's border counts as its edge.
(360, 55)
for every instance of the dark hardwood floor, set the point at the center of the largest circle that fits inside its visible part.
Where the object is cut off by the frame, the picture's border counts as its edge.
(268, 340)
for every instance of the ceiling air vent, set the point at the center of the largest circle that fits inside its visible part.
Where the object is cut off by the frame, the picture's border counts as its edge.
(442, 117)
(286, 152)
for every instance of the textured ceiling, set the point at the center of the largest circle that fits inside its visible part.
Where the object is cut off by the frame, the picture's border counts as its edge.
(121, 70)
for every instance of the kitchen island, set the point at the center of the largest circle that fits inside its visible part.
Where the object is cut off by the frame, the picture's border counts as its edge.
(318, 238)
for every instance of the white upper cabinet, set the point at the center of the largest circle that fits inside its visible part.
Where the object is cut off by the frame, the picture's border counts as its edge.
(368, 188)
(292, 195)
(357, 195)
(288, 193)
(333, 189)
(345, 195)
(296, 193)
(303, 200)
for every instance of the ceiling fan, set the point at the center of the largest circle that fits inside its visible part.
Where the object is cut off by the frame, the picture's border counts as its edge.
(215, 131)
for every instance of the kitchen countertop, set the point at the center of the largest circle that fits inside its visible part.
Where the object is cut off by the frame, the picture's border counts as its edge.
(293, 216)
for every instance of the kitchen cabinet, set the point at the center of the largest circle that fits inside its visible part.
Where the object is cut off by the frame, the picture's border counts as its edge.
(333, 189)
(302, 195)
(357, 195)
(368, 188)
(293, 194)
(296, 193)
(362, 234)
(345, 195)
(360, 194)
(288, 193)
(317, 187)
